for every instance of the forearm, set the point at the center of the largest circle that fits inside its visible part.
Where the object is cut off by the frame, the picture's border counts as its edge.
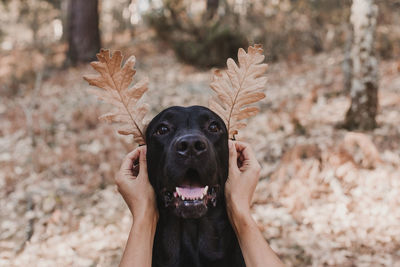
(255, 249)
(139, 247)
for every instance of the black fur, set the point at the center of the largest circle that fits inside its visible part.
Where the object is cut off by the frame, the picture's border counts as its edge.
(207, 240)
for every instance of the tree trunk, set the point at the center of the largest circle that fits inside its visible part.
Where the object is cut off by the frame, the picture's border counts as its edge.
(83, 30)
(347, 65)
(64, 14)
(212, 7)
(364, 85)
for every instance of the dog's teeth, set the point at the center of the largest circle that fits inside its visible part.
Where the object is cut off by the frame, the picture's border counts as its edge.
(201, 197)
(205, 190)
(177, 191)
(183, 198)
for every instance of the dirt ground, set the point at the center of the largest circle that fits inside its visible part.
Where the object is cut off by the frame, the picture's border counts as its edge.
(327, 197)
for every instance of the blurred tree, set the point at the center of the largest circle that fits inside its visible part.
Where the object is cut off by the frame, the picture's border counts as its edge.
(347, 65)
(198, 37)
(83, 30)
(64, 6)
(364, 85)
(212, 7)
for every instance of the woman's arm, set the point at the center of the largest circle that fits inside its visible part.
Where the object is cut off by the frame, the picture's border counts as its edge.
(134, 186)
(244, 172)
(139, 247)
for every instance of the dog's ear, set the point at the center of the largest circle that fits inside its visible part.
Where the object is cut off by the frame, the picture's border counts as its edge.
(238, 87)
(116, 80)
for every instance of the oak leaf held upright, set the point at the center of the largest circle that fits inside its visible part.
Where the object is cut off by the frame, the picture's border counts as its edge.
(116, 80)
(238, 87)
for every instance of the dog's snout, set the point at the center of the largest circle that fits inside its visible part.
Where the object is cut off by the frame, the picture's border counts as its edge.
(191, 145)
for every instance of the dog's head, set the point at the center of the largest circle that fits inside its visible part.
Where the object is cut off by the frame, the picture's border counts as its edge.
(187, 158)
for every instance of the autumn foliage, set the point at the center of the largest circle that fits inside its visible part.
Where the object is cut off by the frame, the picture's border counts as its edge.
(326, 197)
(238, 87)
(116, 81)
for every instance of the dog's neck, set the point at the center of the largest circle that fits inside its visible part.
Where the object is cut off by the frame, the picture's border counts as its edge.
(169, 219)
(183, 242)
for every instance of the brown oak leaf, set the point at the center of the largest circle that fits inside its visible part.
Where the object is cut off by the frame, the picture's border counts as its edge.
(238, 87)
(116, 80)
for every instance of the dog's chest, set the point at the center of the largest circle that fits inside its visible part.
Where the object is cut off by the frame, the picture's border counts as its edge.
(183, 243)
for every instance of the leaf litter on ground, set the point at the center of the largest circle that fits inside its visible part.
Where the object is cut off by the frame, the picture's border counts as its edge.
(327, 197)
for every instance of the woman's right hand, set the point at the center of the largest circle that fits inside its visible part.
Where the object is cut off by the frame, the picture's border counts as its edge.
(244, 173)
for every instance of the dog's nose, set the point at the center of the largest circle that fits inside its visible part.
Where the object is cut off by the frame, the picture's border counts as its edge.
(191, 145)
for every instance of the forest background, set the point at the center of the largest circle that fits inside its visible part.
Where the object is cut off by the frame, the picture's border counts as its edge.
(330, 181)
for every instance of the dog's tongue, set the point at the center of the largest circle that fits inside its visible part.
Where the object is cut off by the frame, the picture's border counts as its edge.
(190, 192)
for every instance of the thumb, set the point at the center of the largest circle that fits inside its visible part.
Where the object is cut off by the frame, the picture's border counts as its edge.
(232, 156)
(142, 161)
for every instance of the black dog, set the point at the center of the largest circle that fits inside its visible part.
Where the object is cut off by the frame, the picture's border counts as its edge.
(187, 157)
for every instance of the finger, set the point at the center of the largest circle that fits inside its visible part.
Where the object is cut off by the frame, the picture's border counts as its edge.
(246, 151)
(142, 160)
(129, 159)
(240, 160)
(232, 156)
(135, 169)
(240, 146)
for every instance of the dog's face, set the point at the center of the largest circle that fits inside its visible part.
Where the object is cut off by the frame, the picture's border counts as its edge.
(187, 159)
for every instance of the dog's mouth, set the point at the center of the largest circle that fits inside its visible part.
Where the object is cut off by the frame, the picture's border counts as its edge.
(191, 193)
(190, 199)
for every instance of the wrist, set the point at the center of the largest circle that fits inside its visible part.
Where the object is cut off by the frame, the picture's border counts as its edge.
(146, 216)
(146, 221)
(241, 221)
(239, 215)
(237, 207)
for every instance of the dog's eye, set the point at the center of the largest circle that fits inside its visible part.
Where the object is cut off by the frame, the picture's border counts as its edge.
(213, 127)
(161, 130)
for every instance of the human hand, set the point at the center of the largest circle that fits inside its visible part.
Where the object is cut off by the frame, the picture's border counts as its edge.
(244, 172)
(134, 186)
